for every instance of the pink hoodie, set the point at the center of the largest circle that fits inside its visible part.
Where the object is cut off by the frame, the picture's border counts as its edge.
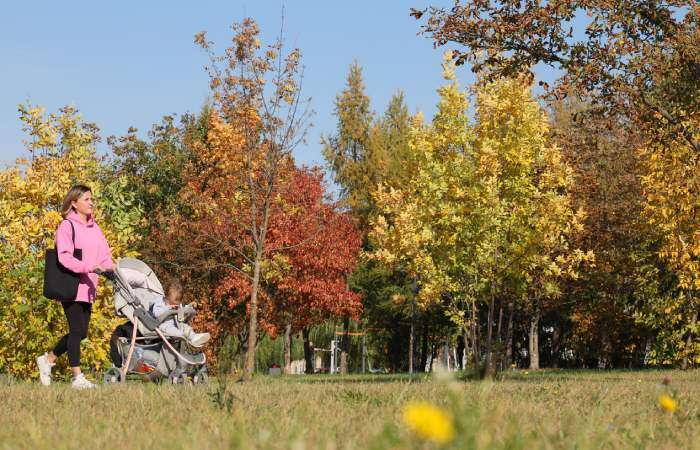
(96, 251)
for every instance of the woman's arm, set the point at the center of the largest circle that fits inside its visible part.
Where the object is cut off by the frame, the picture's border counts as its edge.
(65, 248)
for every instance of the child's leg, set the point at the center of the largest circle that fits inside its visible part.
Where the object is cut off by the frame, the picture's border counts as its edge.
(194, 338)
(170, 329)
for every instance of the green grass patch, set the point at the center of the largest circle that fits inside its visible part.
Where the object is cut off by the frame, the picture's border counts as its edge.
(522, 409)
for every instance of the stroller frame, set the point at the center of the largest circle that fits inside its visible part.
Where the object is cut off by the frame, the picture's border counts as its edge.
(128, 304)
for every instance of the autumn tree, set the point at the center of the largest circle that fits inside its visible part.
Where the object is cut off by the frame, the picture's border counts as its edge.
(486, 208)
(259, 119)
(670, 152)
(636, 64)
(62, 149)
(317, 248)
(599, 321)
(672, 187)
(617, 57)
(368, 149)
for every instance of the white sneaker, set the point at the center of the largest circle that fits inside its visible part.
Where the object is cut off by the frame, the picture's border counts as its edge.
(44, 369)
(80, 382)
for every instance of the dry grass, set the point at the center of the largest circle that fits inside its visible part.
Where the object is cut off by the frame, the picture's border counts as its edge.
(549, 409)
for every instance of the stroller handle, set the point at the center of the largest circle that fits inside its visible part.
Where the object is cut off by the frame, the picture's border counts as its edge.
(109, 274)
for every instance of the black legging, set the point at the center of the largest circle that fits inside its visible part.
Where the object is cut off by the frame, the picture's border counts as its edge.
(78, 315)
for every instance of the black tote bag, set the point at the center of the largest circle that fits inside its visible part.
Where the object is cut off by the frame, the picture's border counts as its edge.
(60, 283)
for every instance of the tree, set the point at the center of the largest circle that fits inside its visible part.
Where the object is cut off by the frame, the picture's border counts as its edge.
(257, 95)
(487, 206)
(638, 66)
(317, 248)
(352, 162)
(365, 152)
(672, 188)
(62, 146)
(154, 166)
(600, 324)
(617, 58)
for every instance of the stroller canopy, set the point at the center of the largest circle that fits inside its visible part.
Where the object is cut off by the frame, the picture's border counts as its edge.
(136, 287)
(137, 274)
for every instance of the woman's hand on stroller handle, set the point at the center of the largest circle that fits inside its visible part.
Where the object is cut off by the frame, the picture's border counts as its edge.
(109, 274)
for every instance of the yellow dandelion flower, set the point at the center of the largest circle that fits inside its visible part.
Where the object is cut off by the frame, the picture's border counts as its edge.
(667, 403)
(429, 422)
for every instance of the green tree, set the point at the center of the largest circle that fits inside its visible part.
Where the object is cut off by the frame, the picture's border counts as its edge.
(352, 161)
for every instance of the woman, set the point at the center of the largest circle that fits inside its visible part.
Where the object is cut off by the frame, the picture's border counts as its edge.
(96, 257)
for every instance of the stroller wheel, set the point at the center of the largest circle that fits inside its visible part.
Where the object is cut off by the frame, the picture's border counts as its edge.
(201, 376)
(112, 376)
(179, 379)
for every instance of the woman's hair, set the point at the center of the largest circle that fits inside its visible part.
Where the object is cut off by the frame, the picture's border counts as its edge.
(73, 195)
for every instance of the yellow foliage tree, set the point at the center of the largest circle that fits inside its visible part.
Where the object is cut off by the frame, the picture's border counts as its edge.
(31, 193)
(672, 189)
(486, 214)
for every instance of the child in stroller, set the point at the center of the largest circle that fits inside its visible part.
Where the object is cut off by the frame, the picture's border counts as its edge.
(161, 305)
(172, 327)
(156, 341)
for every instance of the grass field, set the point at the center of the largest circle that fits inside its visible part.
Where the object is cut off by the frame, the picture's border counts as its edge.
(545, 409)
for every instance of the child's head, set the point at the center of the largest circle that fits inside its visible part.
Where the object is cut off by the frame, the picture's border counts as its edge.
(174, 293)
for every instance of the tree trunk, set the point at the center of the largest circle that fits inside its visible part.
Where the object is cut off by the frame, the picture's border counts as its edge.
(490, 370)
(509, 335)
(240, 352)
(364, 351)
(467, 348)
(499, 336)
(253, 321)
(500, 320)
(288, 348)
(689, 341)
(556, 346)
(344, 346)
(461, 348)
(447, 354)
(475, 339)
(424, 347)
(534, 341)
(308, 351)
(605, 349)
(412, 335)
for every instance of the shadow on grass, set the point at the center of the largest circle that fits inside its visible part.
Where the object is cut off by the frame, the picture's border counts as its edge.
(357, 378)
(520, 376)
(582, 375)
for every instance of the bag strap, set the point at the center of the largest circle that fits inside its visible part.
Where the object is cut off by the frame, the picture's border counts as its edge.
(72, 230)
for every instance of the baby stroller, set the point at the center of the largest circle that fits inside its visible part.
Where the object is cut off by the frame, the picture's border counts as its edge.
(149, 353)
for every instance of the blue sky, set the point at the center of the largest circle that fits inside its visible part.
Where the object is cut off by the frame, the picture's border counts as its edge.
(128, 63)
